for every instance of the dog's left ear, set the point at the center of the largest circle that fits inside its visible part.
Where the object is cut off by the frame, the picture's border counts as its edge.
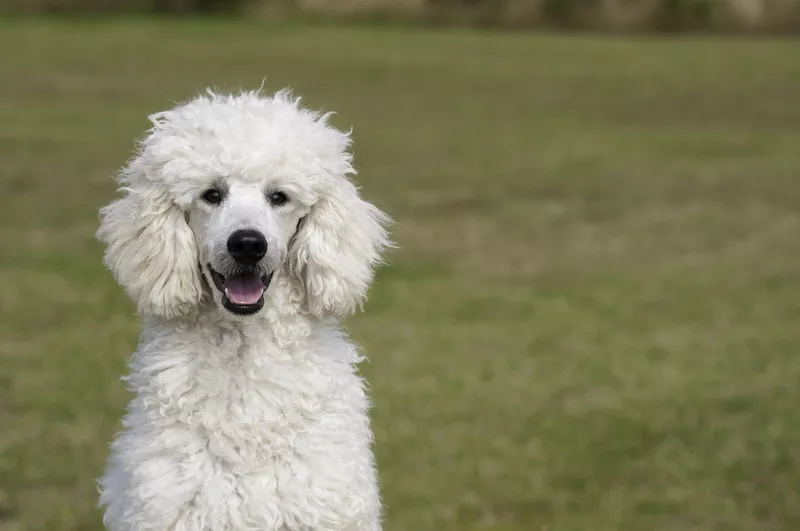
(335, 251)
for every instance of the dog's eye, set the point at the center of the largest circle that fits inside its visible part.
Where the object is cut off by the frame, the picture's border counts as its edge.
(212, 197)
(278, 198)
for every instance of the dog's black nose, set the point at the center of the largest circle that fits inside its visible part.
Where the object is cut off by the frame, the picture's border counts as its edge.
(247, 246)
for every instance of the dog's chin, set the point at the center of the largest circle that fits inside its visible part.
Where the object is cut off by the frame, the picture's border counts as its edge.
(242, 293)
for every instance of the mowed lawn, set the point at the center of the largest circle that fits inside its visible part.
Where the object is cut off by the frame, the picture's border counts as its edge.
(591, 321)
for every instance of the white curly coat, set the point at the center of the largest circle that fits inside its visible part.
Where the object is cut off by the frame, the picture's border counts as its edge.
(255, 422)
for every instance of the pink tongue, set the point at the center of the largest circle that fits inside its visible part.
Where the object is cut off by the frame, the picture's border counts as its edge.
(244, 289)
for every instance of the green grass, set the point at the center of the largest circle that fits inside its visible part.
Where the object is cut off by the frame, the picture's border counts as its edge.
(591, 322)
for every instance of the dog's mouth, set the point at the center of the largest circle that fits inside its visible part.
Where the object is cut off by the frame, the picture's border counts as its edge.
(242, 292)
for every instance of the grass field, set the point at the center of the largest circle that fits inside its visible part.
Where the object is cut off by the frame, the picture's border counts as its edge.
(590, 323)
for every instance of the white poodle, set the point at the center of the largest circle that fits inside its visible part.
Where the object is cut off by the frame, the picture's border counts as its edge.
(243, 243)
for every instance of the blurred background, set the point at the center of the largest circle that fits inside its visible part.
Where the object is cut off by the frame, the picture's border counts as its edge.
(591, 322)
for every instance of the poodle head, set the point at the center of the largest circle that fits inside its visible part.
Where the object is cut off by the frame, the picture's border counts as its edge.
(229, 191)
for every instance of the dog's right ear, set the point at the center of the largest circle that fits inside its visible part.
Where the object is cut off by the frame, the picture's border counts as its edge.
(150, 248)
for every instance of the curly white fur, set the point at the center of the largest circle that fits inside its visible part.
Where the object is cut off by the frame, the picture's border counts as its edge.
(253, 422)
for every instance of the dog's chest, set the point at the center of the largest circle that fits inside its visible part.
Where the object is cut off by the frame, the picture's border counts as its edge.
(288, 430)
(254, 410)
(249, 438)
